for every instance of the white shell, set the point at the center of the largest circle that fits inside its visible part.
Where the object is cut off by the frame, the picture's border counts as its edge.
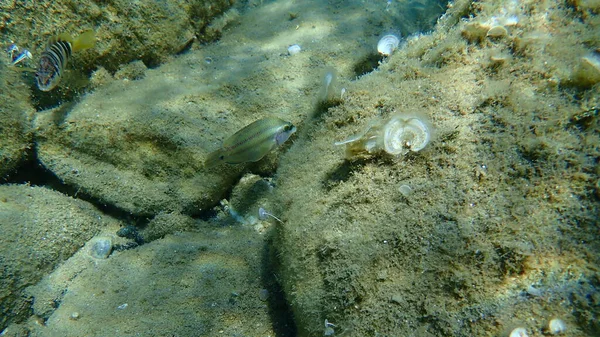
(518, 332)
(388, 44)
(100, 247)
(405, 133)
(497, 32)
(294, 49)
(405, 190)
(556, 326)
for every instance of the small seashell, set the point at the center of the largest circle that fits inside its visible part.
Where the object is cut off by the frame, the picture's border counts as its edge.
(555, 326)
(294, 49)
(588, 72)
(518, 332)
(388, 44)
(100, 247)
(405, 190)
(401, 134)
(497, 32)
(475, 31)
(404, 133)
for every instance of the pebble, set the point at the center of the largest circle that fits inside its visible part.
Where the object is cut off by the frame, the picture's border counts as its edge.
(101, 247)
(555, 326)
(294, 49)
(263, 295)
(405, 190)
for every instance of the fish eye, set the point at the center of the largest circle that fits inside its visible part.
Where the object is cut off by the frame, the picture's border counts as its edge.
(287, 127)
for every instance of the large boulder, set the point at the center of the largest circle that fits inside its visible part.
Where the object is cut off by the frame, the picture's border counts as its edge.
(16, 113)
(40, 229)
(492, 226)
(204, 283)
(150, 31)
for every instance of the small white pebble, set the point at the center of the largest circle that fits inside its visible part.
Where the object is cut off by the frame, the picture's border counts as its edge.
(555, 326)
(405, 190)
(123, 306)
(294, 49)
(531, 290)
(74, 316)
(518, 332)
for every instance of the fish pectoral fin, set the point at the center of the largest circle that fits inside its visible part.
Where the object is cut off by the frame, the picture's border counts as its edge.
(86, 40)
(213, 159)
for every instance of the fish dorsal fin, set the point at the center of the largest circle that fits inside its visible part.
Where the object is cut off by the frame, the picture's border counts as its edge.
(86, 40)
(62, 37)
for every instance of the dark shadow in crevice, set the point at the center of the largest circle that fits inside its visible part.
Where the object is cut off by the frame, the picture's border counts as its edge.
(367, 64)
(343, 172)
(33, 173)
(280, 313)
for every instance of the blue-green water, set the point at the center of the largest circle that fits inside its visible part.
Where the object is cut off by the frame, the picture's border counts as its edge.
(112, 225)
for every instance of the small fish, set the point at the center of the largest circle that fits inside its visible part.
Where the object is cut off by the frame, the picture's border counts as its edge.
(54, 59)
(252, 142)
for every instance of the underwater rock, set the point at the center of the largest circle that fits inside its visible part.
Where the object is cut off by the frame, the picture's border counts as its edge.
(347, 221)
(193, 276)
(135, 70)
(160, 226)
(151, 31)
(15, 119)
(40, 229)
(138, 145)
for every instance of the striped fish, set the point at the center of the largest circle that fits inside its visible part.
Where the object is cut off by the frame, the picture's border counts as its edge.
(252, 142)
(54, 59)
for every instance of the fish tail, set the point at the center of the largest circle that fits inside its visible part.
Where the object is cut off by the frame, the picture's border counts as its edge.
(86, 40)
(213, 159)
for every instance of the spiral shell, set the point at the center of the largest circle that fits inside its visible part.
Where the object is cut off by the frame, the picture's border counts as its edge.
(405, 133)
(388, 44)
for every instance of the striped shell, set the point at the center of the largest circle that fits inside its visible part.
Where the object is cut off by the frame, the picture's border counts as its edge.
(388, 44)
(405, 133)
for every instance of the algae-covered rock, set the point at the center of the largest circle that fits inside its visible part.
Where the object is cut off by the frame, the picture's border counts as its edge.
(166, 223)
(146, 31)
(140, 145)
(15, 120)
(150, 31)
(207, 282)
(40, 229)
(499, 200)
